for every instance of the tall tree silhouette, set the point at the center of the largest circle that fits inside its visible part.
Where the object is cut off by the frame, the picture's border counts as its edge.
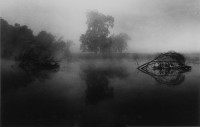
(96, 37)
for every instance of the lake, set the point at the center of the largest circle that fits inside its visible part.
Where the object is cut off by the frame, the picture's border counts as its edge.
(99, 92)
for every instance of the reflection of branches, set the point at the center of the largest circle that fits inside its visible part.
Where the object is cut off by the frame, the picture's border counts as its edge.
(165, 76)
(24, 75)
(174, 79)
(167, 68)
(97, 81)
(39, 70)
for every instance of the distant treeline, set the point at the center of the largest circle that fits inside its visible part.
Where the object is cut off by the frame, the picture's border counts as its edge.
(19, 43)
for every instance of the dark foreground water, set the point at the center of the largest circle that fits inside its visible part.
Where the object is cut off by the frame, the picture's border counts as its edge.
(88, 93)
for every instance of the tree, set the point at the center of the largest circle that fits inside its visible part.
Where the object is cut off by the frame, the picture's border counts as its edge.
(63, 48)
(46, 48)
(14, 39)
(32, 52)
(96, 37)
(119, 42)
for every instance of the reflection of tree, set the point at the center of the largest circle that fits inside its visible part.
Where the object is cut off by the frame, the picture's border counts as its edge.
(24, 75)
(171, 77)
(165, 75)
(39, 73)
(167, 68)
(97, 81)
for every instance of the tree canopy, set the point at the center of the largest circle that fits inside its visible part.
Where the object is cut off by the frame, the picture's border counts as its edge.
(14, 39)
(19, 43)
(119, 42)
(97, 36)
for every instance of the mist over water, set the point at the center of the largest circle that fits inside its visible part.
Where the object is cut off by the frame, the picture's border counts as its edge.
(98, 92)
(100, 63)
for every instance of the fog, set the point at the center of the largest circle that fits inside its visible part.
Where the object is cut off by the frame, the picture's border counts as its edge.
(153, 25)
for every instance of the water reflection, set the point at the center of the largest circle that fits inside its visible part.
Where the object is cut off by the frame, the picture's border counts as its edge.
(17, 76)
(97, 80)
(166, 76)
(100, 93)
(40, 73)
(167, 68)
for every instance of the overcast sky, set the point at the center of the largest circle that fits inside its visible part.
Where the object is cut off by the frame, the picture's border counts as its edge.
(154, 25)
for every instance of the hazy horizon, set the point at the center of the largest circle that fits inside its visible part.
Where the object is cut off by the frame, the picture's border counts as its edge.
(153, 25)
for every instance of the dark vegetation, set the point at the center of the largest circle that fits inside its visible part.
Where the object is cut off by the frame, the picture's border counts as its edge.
(167, 68)
(97, 38)
(42, 51)
(39, 56)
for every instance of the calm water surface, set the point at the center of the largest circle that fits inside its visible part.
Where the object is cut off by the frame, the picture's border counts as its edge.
(98, 93)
